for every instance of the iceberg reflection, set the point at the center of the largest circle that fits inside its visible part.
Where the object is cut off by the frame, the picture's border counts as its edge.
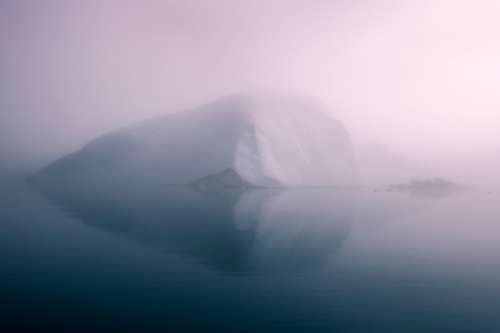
(232, 231)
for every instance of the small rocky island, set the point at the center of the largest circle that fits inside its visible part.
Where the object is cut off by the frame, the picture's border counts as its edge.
(431, 186)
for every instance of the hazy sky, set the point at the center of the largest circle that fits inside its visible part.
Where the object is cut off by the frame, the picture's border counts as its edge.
(420, 76)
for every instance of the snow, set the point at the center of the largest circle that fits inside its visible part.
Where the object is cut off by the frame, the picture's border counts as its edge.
(267, 140)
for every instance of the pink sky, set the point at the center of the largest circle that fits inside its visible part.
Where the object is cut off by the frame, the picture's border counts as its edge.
(421, 76)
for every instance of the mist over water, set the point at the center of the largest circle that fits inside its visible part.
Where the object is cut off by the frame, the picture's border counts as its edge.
(414, 78)
(249, 166)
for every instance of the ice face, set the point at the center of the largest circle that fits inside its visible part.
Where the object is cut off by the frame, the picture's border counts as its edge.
(267, 140)
(295, 144)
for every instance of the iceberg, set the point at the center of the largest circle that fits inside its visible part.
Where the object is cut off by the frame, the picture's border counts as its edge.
(254, 141)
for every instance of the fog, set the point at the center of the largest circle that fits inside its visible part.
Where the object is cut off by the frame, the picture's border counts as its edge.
(414, 79)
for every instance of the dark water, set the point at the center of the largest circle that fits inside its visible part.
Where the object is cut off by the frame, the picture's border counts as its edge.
(171, 259)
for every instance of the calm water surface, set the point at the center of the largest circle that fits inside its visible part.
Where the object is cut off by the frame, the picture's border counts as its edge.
(172, 259)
